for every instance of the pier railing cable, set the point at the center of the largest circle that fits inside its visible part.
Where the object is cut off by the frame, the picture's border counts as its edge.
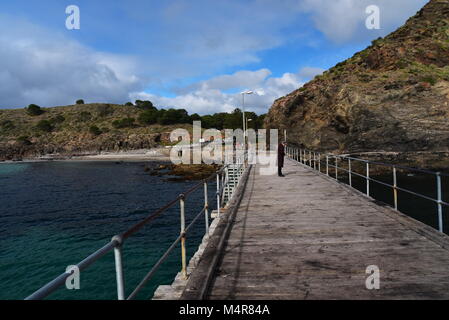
(224, 185)
(316, 160)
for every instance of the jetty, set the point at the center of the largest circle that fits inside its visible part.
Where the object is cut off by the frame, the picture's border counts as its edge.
(307, 236)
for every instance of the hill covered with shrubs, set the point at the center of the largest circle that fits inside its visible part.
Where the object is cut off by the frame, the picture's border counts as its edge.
(92, 128)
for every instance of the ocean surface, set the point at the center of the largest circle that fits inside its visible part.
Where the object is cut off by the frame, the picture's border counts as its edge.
(54, 214)
(414, 206)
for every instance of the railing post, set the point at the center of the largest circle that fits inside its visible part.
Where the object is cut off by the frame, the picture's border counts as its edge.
(350, 172)
(310, 159)
(327, 165)
(314, 161)
(440, 199)
(218, 195)
(300, 155)
(183, 237)
(206, 207)
(336, 168)
(367, 179)
(119, 267)
(395, 189)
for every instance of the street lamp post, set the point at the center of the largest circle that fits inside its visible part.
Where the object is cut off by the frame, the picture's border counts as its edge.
(247, 123)
(243, 110)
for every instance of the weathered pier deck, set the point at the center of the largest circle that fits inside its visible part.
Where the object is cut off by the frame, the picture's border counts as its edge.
(306, 236)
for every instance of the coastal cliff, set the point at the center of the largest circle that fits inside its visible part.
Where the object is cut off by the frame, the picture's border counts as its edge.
(389, 101)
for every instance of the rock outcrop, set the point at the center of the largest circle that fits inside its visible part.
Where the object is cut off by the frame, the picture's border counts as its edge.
(391, 97)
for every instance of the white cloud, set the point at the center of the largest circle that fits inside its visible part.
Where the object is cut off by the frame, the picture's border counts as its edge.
(344, 20)
(43, 67)
(209, 96)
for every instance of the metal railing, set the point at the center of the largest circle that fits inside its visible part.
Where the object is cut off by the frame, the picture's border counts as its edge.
(315, 160)
(116, 244)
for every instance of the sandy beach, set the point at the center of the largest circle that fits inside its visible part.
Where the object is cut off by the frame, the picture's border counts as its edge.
(157, 154)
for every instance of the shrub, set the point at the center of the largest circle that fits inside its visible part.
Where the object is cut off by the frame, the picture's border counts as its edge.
(85, 116)
(7, 125)
(123, 123)
(24, 140)
(58, 119)
(80, 101)
(95, 130)
(429, 79)
(129, 104)
(34, 110)
(377, 41)
(104, 110)
(44, 125)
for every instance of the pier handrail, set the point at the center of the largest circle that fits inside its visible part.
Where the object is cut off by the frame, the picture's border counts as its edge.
(314, 160)
(116, 243)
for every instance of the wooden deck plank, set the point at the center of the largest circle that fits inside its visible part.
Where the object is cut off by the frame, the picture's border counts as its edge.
(307, 237)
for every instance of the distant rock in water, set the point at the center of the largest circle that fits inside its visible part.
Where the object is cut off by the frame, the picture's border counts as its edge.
(391, 97)
(183, 172)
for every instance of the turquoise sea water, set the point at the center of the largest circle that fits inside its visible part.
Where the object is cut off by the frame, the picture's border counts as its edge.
(54, 214)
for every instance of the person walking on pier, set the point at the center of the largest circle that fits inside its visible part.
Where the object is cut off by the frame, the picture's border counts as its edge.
(281, 155)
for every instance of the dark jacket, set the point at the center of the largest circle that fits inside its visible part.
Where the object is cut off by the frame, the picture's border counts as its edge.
(281, 155)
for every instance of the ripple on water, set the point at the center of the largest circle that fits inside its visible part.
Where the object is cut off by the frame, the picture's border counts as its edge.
(56, 214)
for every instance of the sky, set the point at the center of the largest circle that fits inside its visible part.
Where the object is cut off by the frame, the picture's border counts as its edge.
(198, 55)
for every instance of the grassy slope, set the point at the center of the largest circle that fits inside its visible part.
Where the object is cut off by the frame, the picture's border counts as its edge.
(78, 119)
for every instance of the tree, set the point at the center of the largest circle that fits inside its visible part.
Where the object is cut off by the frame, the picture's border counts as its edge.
(34, 110)
(148, 117)
(80, 101)
(195, 117)
(145, 105)
(234, 120)
(129, 104)
(174, 116)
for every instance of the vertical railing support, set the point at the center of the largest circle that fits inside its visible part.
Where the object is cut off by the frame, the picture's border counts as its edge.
(440, 199)
(183, 236)
(206, 208)
(300, 155)
(367, 179)
(327, 165)
(119, 267)
(218, 195)
(319, 162)
(395, 189)
(350, 172)
(336, 168)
